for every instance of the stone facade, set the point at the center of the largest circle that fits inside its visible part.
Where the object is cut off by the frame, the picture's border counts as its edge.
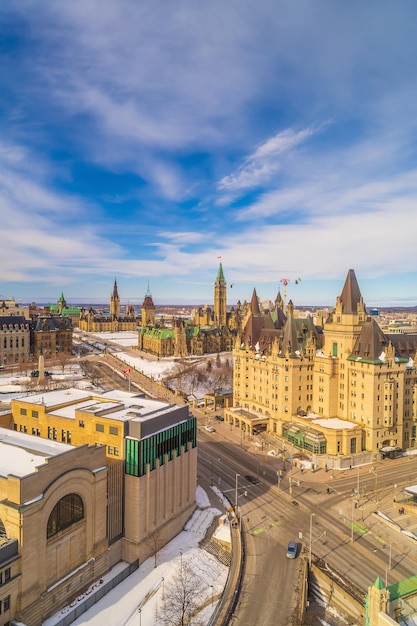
(14, 339)
(207, 332)
(147, 454)
(340, 389)
(57, 554)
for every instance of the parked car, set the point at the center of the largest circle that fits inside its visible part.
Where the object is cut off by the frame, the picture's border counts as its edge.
(210, 429)
(251, 479)
(219, 418)
(292, 550)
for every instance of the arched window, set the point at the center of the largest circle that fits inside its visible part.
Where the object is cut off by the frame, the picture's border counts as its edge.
(67, 511)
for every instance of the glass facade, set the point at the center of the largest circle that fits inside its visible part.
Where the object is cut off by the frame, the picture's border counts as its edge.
(145, 452)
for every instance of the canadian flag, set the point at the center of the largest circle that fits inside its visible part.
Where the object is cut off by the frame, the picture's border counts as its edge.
(126, 371)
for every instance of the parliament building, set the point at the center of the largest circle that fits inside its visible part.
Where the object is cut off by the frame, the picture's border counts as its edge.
(208, 331)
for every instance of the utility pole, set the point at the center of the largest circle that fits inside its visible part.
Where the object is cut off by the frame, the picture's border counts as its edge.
(311, 532)
(236, 486)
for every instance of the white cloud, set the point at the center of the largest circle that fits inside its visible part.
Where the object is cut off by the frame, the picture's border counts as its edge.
(260, 166)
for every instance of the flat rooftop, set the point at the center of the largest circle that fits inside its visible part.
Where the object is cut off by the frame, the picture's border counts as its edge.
(115, 404)
(21, 454)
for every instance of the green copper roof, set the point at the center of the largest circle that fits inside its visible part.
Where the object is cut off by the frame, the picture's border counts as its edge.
(403, 588)
(379, 584)
(70, 310)
(220, 275)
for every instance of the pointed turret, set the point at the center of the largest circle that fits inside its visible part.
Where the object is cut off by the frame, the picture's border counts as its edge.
(351, 297)
(115, 291)
(114, 302)
(254, 324)
(220, 296)
(61, 303)
(148, 310)
(371, 344)
(220, 275)
(254, 304)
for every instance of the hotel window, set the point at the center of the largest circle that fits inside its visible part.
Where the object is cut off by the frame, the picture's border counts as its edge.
(113, 430)
(35, 413)
(81, 423)
(23, 412)
(110, 449)
(116, 452)
(100, 428)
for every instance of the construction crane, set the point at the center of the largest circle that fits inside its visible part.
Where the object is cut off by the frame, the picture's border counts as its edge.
(285, 282)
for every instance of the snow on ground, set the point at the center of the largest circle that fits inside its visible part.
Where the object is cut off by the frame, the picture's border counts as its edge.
(144, 588)
(18, 384)
(151, 369)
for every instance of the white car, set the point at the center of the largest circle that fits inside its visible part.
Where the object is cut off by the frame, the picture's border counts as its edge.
(210, 429)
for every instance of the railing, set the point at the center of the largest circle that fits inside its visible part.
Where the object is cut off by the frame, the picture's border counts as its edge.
(81, 608)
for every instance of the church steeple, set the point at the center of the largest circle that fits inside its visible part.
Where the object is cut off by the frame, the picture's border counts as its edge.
(220, 295)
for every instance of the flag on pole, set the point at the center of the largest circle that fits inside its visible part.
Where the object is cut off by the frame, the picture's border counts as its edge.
(126, 371)
(219, 257)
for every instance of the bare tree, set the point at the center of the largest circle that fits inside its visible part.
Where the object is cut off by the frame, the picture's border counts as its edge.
(63, 359)
(182, 598)
(155, 543)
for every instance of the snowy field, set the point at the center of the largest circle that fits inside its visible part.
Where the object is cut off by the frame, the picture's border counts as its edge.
(144, 588)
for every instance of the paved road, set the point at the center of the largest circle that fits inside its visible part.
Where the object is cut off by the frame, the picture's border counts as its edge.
(359, 558)
(270, 579)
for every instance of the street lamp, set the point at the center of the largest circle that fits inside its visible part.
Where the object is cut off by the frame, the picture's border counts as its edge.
(211, 595)
(236, 486)
(311, 532)
(140, 617)
(163, 594)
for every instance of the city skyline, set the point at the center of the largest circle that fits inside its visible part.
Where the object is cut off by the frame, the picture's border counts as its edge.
(146, 143)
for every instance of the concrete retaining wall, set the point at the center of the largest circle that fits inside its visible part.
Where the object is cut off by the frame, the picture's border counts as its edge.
(342, 596)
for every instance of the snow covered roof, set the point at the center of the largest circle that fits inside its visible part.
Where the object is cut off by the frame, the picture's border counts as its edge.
(21, 454)
(334, 422)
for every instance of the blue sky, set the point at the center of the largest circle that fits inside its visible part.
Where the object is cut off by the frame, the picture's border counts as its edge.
(143, 140)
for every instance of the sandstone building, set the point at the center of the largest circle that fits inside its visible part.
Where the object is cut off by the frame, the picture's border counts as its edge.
(14, 339)
(93, 321)
(338, 388)
(132, 490)
(208, 330)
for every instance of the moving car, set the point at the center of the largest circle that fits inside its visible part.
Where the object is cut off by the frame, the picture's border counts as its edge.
(292, 550)
(251, 479)
(219, 418)
(210, 429)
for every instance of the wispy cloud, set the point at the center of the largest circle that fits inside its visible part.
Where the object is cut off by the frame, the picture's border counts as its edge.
(259, 167)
